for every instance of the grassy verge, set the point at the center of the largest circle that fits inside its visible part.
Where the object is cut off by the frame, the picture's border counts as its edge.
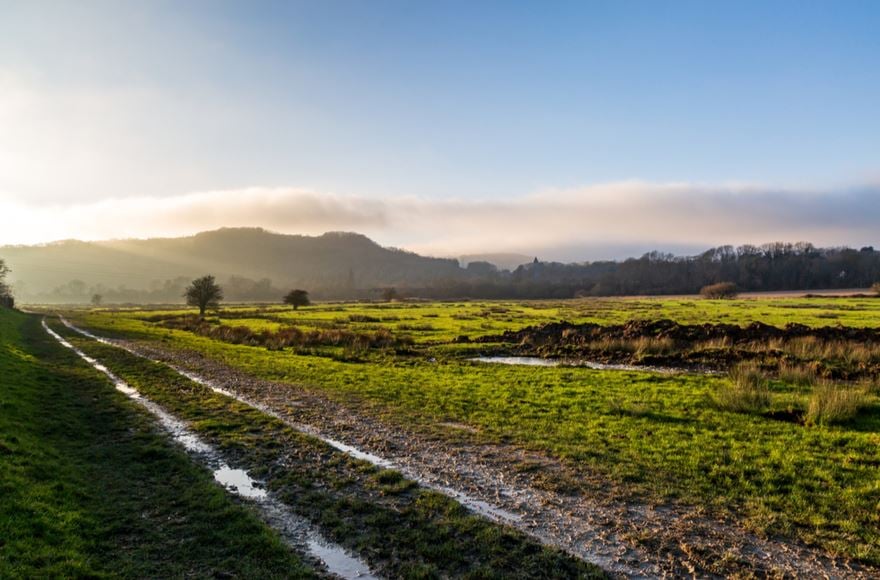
(402, 530)
(662, 436)
(89, 489)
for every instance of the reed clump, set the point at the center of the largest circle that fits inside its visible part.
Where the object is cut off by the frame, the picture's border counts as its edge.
(835, 403)
(747, 391)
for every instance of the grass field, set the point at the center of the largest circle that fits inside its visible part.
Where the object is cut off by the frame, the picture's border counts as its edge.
(662, 437)
(88, 488)
(427, 322)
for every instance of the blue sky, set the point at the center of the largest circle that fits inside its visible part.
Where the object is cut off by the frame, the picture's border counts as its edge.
(475, 101)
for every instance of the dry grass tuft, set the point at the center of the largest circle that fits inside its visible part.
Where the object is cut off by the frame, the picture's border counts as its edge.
(834, 403)
(798, 375)
(747, 392)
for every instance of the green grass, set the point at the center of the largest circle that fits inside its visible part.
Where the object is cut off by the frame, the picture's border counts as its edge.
(406, 531)
(658, 436)
(89, 489)
(835, 404)
(443, 321)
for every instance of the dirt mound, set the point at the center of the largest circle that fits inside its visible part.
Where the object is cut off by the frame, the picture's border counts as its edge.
(564, 333)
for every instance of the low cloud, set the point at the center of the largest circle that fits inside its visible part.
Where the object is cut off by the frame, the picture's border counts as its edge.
(571, 224)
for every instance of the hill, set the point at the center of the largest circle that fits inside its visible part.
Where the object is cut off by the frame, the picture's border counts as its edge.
(335, 263)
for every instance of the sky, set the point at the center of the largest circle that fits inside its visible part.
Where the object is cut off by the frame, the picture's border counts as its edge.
(573, 130)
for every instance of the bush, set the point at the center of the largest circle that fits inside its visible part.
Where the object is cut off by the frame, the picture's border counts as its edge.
(747, 392)
(834, 403)
(719, 291)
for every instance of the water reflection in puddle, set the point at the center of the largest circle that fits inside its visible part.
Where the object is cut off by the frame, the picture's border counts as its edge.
(239, 481)
(531, 361)
(534, 361)
(338, 560)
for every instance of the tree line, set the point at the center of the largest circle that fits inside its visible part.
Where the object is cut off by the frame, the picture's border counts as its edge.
(776, 266)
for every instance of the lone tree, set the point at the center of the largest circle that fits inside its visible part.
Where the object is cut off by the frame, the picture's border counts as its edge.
(719, 291)
(204, 293)
(97, 299)
(297, 298)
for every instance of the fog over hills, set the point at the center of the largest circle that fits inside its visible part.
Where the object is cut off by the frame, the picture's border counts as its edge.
(502, 260)
(253, 264)
(330, 263)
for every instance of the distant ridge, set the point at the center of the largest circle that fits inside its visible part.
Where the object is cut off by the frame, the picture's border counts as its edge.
(335, 259)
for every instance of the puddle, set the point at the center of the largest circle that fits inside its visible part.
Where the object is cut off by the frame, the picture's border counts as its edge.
(297, 531)
(531, 361)
(480, 506)
(352, 451)
(534, 361)
(239, 481)
(338, 560)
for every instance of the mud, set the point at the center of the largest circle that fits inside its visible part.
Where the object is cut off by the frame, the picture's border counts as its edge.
(564, 333)
(293, 529)
(537, 494)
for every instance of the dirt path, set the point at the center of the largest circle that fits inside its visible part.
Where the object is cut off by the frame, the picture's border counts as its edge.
(627, 539)
(294, 530)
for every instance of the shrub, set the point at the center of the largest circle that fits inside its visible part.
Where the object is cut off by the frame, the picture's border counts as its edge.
(833, 403)
(719, 291)
(747, 392)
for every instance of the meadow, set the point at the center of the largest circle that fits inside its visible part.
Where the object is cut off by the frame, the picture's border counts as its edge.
(656, 437)
(444, 321)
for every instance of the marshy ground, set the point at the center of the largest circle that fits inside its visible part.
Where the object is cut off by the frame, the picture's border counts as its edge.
(768, 465)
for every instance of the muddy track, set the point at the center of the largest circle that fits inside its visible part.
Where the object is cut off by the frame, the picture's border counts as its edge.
(325, 556)
(627, 539)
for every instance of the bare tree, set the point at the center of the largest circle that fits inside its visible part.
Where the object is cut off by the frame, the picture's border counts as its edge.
(297, 298)
(204, 293)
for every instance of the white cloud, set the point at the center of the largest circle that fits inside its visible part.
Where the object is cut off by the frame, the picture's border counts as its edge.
(553, 222)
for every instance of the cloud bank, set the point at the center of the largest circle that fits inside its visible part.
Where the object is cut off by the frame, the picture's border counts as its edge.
(570, 224)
